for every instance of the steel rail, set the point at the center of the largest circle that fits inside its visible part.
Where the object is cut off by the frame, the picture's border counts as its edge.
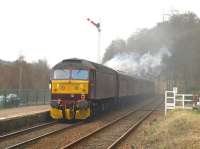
(101, 128)
(131, 129)
(26, 130)
(42, 136)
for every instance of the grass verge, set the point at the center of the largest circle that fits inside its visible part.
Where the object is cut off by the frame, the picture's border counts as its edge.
(180, 129)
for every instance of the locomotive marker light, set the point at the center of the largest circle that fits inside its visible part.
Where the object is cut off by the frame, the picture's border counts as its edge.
(98, 26)
(82, 97)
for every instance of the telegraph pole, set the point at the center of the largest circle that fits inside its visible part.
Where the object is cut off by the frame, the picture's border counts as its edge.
(98, 27)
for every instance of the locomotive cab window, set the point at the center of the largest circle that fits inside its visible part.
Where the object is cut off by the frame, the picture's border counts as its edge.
(80, 74)
(61, 74)
(92, 75)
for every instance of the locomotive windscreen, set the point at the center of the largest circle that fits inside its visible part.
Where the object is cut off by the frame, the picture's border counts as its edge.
(61, 74)
(79, 74)
(74, 74)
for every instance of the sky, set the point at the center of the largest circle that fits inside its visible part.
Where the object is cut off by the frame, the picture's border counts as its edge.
(58, 29)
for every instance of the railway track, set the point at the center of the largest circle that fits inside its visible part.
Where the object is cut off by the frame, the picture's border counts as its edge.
(132, 128)
(24, 143)
(114, 132)
(20, 143)
(26, 130)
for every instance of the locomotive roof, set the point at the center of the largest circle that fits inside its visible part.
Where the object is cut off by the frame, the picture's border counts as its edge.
(85, 64)
(82, 64)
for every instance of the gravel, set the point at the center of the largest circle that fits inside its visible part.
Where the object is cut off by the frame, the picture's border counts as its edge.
(68, 136)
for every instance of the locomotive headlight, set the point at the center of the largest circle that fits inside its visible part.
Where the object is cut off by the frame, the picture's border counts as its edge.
(59, 101)
(49, 86)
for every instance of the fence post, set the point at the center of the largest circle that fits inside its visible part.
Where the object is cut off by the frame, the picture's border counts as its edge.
(5, 103)
(174, 92)
(44, 98)
(165, 103)
(26, 99)
(36, 98)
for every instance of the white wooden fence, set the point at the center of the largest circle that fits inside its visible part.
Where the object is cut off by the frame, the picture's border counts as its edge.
(173, 100)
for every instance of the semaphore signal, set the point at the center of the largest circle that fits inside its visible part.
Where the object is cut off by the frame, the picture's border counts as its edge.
(97, 25)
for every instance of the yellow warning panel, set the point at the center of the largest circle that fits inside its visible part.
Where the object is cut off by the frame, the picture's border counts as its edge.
(70, 86)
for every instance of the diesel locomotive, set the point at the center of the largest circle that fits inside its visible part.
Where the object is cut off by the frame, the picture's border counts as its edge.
(80, 88)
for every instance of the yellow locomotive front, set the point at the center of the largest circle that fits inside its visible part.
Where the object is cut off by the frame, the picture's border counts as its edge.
(69, 94)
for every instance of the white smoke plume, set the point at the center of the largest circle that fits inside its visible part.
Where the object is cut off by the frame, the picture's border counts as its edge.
(146, 65)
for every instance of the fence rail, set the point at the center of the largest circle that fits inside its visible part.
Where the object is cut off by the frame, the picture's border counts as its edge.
(174, 100)
(14, 98)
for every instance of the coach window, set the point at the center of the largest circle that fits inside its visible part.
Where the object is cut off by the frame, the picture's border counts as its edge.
(61, 74)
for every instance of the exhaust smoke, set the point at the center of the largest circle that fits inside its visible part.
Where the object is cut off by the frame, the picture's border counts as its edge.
(145, 65)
